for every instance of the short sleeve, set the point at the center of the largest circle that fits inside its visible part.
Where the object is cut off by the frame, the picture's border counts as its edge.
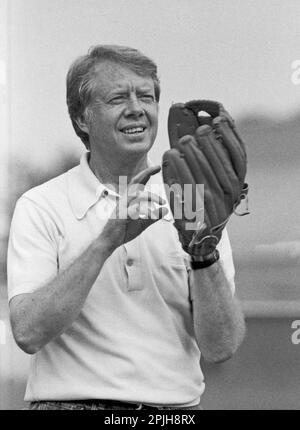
(32, 249)
(226, 259)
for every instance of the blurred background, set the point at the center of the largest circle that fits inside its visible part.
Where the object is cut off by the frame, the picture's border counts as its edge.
(244, 54)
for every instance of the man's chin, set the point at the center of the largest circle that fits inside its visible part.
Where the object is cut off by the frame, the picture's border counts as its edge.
(137, 145)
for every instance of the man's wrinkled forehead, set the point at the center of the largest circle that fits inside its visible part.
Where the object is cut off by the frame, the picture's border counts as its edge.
(112, 76)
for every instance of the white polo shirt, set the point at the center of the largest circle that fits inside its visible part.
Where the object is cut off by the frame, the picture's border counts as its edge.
(133, 340)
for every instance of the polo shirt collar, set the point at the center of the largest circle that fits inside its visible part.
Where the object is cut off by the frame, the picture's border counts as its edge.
(84, 188)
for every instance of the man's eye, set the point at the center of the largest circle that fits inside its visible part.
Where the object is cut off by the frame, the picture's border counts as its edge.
(117, 99)
(147, 97)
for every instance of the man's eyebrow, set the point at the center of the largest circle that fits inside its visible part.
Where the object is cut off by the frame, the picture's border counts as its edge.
(145, 88)
(118, 91)
(127, 90)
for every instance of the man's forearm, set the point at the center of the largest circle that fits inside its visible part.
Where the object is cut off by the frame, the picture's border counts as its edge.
(218, 320)
(40, 316)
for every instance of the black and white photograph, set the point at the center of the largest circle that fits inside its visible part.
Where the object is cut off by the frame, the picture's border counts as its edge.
(149, 207)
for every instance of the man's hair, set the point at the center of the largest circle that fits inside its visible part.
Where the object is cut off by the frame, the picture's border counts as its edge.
(81, 77)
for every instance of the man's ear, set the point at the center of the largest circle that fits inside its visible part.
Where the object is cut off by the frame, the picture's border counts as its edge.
(82, 124)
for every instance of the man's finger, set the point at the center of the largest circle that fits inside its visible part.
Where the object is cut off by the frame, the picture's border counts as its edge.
(134, 211)
(156, 214)
(144, 176)
(146, 196)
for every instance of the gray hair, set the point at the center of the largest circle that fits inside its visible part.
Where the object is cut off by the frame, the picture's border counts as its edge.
(81, 77)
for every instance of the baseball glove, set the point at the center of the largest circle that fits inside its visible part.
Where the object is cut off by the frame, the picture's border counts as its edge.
(204, 173)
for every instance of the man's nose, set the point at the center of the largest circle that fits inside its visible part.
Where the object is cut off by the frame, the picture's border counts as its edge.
(134, 107)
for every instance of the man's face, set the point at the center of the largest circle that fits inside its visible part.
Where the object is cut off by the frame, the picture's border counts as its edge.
(124, 112)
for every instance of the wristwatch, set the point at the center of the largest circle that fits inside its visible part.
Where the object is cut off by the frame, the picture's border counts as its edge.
(202, 263)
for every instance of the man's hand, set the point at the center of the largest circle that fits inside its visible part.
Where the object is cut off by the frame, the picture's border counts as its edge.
(136, 210)
(205, 151)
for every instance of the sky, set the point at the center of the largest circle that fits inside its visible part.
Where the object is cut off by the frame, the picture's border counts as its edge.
(237, 52)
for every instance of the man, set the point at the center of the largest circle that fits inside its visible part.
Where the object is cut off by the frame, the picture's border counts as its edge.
(100, 290)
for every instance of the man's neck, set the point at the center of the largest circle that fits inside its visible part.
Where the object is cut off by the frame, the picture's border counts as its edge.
(109, 171)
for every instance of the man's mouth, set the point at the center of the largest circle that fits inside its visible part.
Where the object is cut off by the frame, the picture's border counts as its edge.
(133, 130)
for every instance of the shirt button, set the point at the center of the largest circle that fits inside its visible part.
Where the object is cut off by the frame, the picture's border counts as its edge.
(130, 262)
